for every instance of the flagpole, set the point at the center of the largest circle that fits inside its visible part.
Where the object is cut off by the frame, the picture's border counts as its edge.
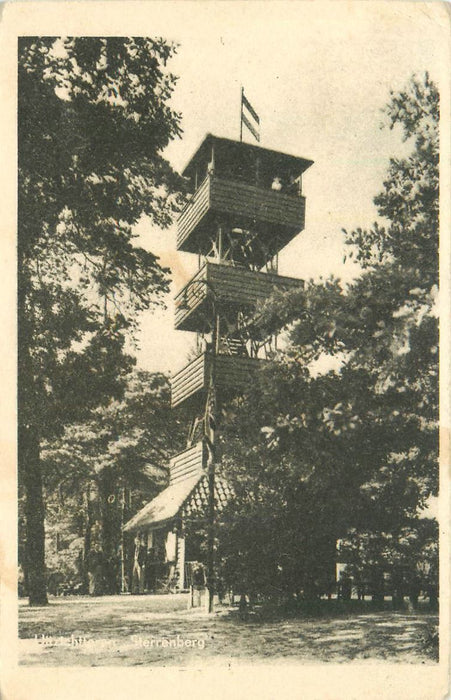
(241, 114)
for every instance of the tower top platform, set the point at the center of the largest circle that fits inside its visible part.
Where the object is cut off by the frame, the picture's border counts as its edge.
(242, 161)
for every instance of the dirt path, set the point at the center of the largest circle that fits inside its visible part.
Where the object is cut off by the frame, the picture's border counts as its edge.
(144, 630)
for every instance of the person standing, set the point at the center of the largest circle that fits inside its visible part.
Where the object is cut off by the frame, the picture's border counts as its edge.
(139, 565)
(95, 571)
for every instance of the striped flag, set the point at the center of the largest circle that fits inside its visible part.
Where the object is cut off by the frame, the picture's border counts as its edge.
(211, 413)
(248, 114)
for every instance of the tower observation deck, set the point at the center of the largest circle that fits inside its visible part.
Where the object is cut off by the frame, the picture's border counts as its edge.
(245, 205)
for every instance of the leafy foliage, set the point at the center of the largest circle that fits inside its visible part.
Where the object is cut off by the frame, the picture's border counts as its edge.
(99, 472)
(314, 455)
(93, 120)
(408, 557)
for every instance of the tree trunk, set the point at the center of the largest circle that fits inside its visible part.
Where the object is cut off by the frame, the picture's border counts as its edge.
(30, 463)
(29, 435)
(378, 587)
(110, 530)
(123, 561)
(88, 522)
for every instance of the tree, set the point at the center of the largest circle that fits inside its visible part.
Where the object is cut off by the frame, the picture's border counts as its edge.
(93, 119)
(99, 472)
(354, 449)
(408, 558)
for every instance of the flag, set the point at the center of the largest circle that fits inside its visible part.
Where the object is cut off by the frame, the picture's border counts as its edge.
(211, 412)
(248, 114)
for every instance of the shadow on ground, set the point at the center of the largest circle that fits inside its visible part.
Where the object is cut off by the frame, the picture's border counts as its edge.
(159, 630)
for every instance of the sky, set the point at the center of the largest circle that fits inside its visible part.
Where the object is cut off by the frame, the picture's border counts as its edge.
(318, 74)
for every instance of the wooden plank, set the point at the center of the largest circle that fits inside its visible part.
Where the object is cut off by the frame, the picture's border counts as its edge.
(259, 193)
(191, 464)
(187, 455)
(194, 214)
(186, 463)
(188, 377)
(231, 197)
(232, 371)
(255, 201)
(232, 285)
(184, 393)
(188, 381)
(194, 211)
(244, 285)
(196, 204)
(187, 475)
(187, 451)
(185, 469)
(190, 366)
(189, 461)
(182, 314)
(191, 296)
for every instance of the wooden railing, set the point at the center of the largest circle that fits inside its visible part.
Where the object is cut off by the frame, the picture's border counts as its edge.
(186, 464)
(238, 201)
(238, 285)
(189, 381)
(232, 372)
(194, 211)
(233, 285)
(190, 296)
(257, 203)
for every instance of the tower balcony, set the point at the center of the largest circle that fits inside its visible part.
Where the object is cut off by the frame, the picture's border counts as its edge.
(187, 464)
(276, 216)
(232, 373)
(235, 288)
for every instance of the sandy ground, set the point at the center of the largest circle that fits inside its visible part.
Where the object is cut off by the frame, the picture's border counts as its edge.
(159, 630)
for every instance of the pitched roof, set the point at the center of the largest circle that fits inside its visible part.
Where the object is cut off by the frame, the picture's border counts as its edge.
(241, 147)
(186, 498)
(198, 500)
(163, 507)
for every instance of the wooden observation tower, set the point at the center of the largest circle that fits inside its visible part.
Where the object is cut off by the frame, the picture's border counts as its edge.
(246, 205)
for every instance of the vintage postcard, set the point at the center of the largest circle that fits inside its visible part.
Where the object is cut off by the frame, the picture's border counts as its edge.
(225, 304)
